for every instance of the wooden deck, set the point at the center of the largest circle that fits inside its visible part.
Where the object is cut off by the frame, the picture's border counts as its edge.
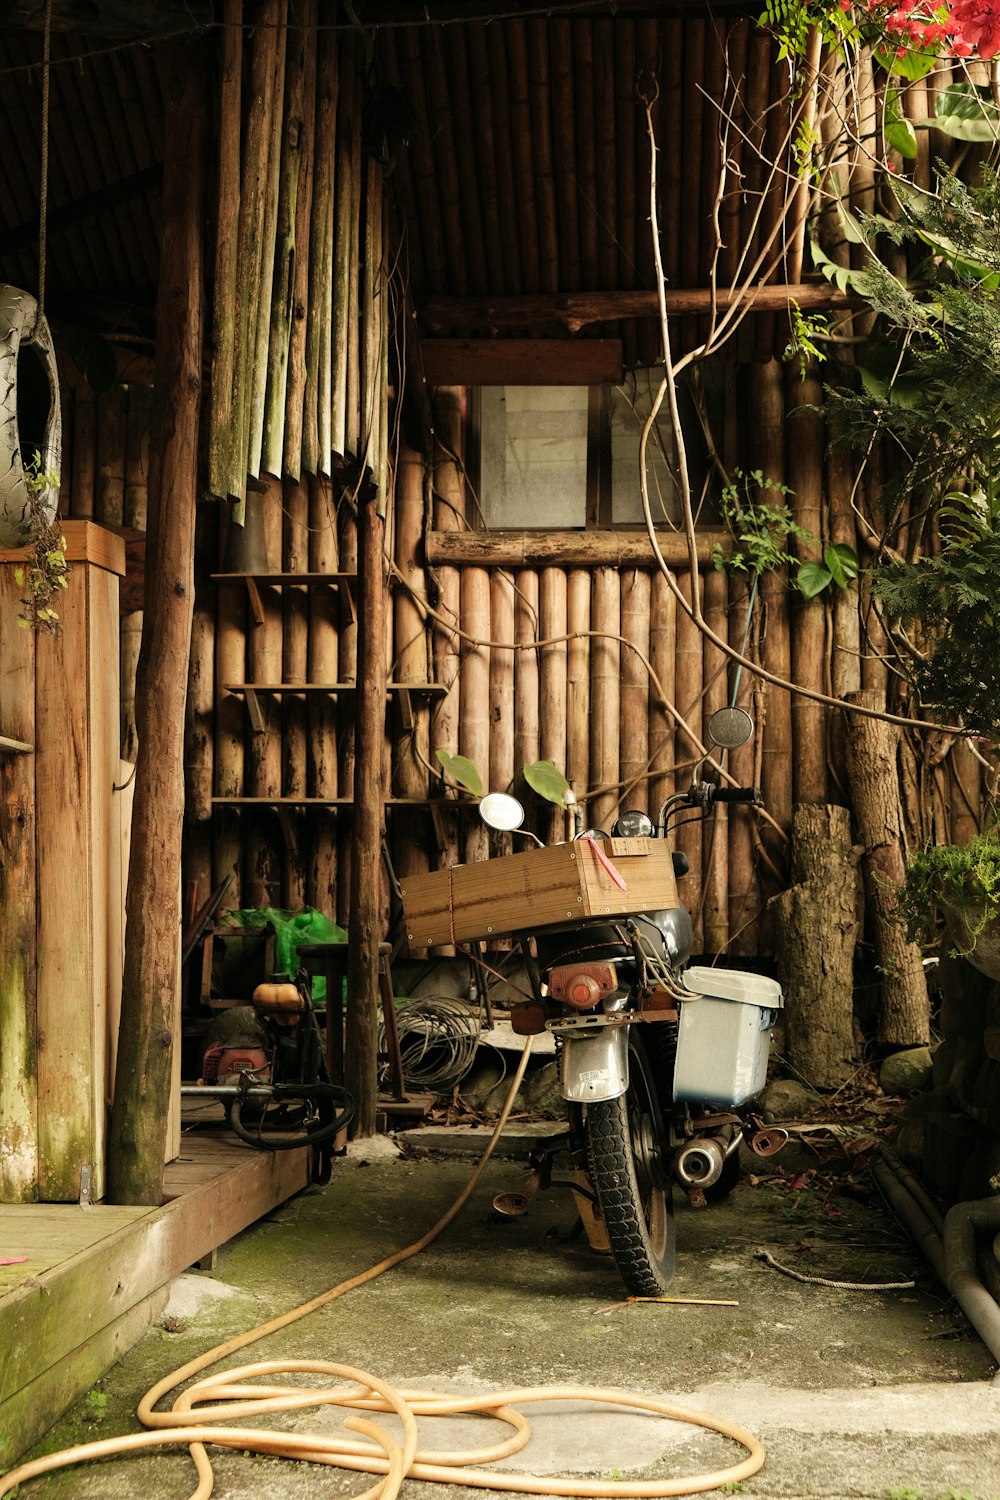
(95, 1278)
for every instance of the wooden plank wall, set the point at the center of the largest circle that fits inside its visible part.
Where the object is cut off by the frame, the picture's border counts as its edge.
(584, 700)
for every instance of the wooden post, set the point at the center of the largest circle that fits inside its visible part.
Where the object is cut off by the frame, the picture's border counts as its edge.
(295, 607)
(871, 765)
(305, 12)
(715, 831)
(526, 707)
(364, 927)
(690, 670)
(474, 724)
(411, 747)
(18, 999)
(262, 879)
(199, 709)
(448, 513)
(347, 671)
(663, 660)
(776, 767)
(226, 295)
(501, 697)
(140, 1111)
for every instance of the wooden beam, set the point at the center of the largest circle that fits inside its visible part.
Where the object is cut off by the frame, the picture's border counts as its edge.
(567, 549)
(521, 361)
(570, 312)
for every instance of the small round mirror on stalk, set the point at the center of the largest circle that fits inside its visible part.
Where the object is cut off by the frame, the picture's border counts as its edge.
(502, 812)
(729, 728)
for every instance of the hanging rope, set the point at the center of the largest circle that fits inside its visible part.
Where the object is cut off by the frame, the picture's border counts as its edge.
(43, 186)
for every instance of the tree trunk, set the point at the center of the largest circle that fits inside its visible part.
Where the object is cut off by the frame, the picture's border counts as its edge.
(139, 1114)
(816, 927)
(871, 766)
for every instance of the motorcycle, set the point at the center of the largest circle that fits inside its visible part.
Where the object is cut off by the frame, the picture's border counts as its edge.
(659, 1061)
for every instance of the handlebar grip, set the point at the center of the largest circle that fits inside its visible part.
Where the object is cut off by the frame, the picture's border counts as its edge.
(737, 794)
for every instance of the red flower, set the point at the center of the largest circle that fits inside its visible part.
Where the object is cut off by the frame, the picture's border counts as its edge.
(975, 24)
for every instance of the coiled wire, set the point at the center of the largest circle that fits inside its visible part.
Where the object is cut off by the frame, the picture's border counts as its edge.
(438, 1038)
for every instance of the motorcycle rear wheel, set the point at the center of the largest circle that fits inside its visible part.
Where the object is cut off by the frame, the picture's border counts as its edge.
(628, 1154)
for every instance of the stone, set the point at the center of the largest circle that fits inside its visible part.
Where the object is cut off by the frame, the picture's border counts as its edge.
(784, 1099)
(906, 1072)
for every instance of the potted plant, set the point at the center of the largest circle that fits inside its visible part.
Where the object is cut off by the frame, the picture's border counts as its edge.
(962, 882)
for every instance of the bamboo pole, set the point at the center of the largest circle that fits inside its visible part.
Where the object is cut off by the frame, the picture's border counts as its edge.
(112, 424)
(260, 335)
(689, 684)
(552, 682)
(225, 297)
(251, 239)
(295, 667)
(768, 414)
(808, 636)
(474, 689)
(83, 472)
(578, 683)
(745, 897)
(663, 660)
(412, 728)
(134, 516)
(715, 832)
(294, 133)
(316, 421)
(502, 764)
(374, 333)
(342, 291)
(527, 729)
(327, 662)
(199, 707)
(365, 929)
(540, 549)
(350, 608)
(636, 592)
(845, 668)
(305, 15)
(448, 510)
(353, 416)
(139, 1116)
(262, 870)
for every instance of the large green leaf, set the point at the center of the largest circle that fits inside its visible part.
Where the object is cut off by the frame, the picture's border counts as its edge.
(916, 62)
(842, 561)
(961, 112)
(545, 778)
(812, 578)
(462, 770)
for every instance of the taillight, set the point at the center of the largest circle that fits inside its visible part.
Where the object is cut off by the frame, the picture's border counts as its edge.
(582, 985)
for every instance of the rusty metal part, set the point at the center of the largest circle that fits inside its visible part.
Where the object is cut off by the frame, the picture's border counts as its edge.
(765, 1140)
(513, 1205)
(696, 1197)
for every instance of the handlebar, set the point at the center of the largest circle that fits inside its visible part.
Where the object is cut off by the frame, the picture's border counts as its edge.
(737, 794)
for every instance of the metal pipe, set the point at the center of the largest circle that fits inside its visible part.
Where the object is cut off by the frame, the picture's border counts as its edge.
(964, 1283)
(951, 1253)
(700, 1162)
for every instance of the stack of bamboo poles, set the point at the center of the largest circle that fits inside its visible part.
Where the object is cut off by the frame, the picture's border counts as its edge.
(299, 303)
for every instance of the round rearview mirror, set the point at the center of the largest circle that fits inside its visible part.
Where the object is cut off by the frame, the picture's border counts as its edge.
(730, 727)
(501, 812)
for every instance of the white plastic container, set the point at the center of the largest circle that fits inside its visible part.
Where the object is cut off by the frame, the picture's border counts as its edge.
(724, 1035)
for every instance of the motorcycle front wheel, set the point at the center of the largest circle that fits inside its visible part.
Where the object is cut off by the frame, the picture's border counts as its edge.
(628, 1154)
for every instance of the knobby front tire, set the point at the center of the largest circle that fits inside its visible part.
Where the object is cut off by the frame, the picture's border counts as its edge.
(628, 1156)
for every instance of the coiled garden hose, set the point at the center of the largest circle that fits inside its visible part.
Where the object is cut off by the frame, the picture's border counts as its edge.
(235, 1394)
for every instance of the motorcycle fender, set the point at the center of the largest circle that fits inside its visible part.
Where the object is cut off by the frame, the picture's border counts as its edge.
(594, 1067)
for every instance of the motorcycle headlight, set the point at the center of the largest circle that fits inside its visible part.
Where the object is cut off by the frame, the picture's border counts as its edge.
(632, 825)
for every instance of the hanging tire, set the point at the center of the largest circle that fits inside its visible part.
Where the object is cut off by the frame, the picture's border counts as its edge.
(628, 1153)
(30, 421)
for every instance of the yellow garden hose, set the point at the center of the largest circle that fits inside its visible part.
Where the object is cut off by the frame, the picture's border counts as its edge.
(235, 1394)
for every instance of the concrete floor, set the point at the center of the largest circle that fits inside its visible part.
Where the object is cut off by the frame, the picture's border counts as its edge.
(869, 1395)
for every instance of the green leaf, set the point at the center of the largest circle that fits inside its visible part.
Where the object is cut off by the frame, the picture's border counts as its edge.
(545, 778)
(851, 226)
(915, 63)
(812, 578)
(899, 133)
(961, 112)
(462, 770)
(842, 561)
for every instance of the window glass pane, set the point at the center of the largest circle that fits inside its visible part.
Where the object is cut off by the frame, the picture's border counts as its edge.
(533, 445)
(631, 404)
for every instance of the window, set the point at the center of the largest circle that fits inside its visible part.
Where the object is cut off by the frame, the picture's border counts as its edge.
(567, 457)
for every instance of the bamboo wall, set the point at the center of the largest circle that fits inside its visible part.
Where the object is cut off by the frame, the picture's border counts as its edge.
(273, 803)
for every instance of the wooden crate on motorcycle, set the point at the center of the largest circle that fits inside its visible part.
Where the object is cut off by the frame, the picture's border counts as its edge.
(549, 887)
